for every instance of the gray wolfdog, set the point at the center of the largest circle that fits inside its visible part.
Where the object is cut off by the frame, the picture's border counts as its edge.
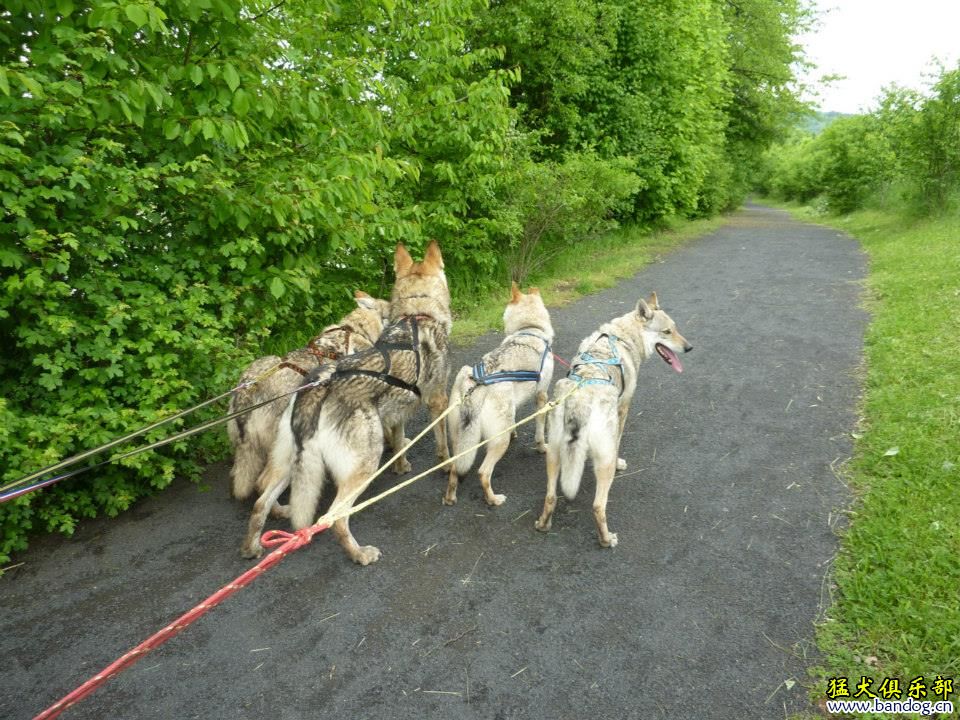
(591, 420)
(253, 434)
(338, 429)
(491, 391)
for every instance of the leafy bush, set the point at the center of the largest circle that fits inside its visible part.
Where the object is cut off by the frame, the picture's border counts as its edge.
(911, 143)
(175, 183)
(855, 161)
(553, 205)
(924, 133)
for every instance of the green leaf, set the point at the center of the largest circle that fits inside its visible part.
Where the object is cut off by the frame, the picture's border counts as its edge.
(32, 86)
(231, 77)
(241, 102)
(65, 7)
(209, 129)
(137, 15)
(277, 288)
(171, 128)
(196, 74)
(4, 85)
(156, 92)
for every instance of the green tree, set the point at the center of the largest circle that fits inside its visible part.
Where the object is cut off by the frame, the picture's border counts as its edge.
(764, 96)
(924, 130)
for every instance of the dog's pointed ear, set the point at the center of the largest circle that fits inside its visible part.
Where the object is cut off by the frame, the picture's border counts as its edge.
(533, 291)
(515, 293)
(653, 302)
(402, 262)
(433, 256)
(644, 310)
(364, 300)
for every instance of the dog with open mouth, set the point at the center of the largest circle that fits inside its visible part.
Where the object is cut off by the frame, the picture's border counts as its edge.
(590, 421)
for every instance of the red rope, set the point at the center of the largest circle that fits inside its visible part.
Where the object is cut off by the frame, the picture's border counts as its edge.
(285, 543)
(560, 360)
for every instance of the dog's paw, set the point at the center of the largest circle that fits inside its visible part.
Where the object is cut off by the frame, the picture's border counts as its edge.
(450, 498)
(401, 466)
(621, 464)
(514, 435)
(366, 555)
(495, 499)
(542, 448)
(252, 550)
(610, 542)
(543, 525)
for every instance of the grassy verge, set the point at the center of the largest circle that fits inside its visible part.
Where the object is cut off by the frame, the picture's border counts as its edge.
(896, 610)
(580, 270)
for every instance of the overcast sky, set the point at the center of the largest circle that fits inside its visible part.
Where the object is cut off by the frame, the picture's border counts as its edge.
(874, 43)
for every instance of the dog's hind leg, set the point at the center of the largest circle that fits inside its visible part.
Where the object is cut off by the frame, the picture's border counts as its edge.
(604, 474)
(541, 421)
(550, 501)
(437, 404)
(553, 468)
(495, 450)
(247, 465)
(623, 409)
(347, 493)
(397, 443)
(277, 479)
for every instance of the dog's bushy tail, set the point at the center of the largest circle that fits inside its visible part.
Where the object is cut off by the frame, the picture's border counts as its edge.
(573, 456)
(306, 478)
(305, 488)
(566, 441)
(464, 424)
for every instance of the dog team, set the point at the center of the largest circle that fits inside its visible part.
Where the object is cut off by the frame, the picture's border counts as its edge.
(369, 374)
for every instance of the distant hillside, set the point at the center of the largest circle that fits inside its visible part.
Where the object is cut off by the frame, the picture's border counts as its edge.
(816, 123)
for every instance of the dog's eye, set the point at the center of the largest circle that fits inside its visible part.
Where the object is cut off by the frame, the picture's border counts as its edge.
(668, 331)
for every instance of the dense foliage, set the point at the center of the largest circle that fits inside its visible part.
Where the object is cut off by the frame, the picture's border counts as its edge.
(906, 152)
(186, 181)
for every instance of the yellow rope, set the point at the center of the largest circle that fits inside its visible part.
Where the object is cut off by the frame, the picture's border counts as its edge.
(333, 514)
(359, 491)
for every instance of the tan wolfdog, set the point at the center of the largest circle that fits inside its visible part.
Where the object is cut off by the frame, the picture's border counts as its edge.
(591, 420)
(253, 434)
(338, 428)
(491, 391)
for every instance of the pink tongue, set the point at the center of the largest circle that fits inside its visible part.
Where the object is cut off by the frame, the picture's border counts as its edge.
(671, 357)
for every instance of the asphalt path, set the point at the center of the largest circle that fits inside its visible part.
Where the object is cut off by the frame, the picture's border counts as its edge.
(726, 517)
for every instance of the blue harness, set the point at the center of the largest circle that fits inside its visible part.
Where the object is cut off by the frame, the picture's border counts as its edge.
(586, 358)
(481, 377)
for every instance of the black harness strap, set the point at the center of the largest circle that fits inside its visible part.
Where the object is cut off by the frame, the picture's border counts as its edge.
(384, 349)
(382, 377)
(482, 377)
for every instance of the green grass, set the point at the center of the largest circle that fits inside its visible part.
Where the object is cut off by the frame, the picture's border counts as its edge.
(580, 270)
(896, 609)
